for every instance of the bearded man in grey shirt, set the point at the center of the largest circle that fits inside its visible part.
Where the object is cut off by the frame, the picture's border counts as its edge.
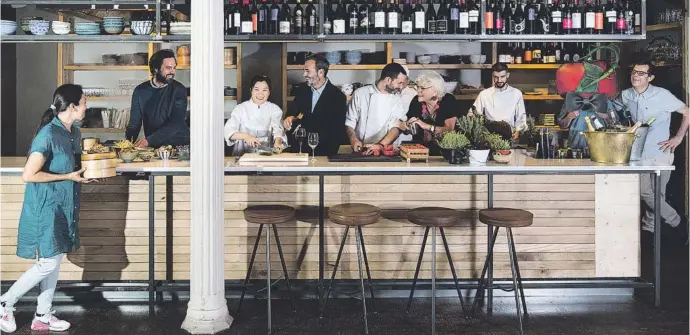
(645, 101)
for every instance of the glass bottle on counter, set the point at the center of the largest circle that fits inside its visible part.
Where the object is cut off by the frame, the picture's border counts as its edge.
(406, 24)
(394, 16)
(297, 18)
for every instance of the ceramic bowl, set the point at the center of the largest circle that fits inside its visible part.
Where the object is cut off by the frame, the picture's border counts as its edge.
(39, 27)
(128, 157)
(450, 86)
(475, 59)
(424, 59)
(164, 154)
(146, 155)
(435, 58)
(482, 59)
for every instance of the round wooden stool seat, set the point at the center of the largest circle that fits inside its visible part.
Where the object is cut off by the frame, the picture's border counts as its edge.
(354, 214)
(506, 217)
(434, 217)
(269, 214)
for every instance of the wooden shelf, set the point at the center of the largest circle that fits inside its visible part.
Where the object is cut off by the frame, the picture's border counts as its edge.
(109, 98)
(103, 67)
(664, 26)
(103, 130)
(187, 67)
(447, 66)
(545, 97)
(534, 66)
(227, 97)
(343, 67)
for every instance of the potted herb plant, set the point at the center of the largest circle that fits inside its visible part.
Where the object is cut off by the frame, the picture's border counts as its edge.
(476, 133)
(500, 147)
(453, 145)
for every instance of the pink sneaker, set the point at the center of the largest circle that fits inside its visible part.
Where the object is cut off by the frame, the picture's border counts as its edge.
(49, 322)
(7, 323)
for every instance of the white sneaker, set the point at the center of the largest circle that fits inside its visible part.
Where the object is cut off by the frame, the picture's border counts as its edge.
(49, 322)
(7, 323)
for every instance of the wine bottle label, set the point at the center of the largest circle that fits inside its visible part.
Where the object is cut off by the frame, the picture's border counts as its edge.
(354, 22)
(536, 54)
(509, 59)
(464, 20)
(620, 23)
(255, 18)
(498, 23)
(393, 20)
(558, 56)
(298, 18)
(262, 16)
(454, 14)
(419, 20)
(502, 58)
(379, 20)
(473, 15)
(431, 26)
(518, 60)
(577, 21)
(311, 20)
(284, 27)
(339, 26)
(567, 23)
(637, 19)
(407, 27)
(247, 27)
(576, 57)
(599, 21)
(237, 22)
(566, 58)
(590, 19)
(364, 22)
(528, 56)
(274, 14)
(546, 26)
(327, 27)
(520, 26)
(611, 15)
(442, 26)
(531, 14)
(489, 20)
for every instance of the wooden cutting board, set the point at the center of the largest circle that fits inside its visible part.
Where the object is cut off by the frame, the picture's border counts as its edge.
(91, 157)
(284, 157)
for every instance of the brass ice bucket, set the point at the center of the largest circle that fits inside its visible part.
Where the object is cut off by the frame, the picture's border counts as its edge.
(609, 147)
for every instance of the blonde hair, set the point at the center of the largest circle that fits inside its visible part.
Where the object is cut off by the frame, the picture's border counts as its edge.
(432, 79)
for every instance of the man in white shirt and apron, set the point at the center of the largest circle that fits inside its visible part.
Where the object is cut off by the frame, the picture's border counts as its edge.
(502, 102)
(375, 113)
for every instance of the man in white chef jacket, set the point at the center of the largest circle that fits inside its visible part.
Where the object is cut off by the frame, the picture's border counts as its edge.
(375, 113)
(502, 102)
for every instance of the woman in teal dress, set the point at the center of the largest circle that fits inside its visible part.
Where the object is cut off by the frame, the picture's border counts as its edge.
(49, 221)
(574, 110)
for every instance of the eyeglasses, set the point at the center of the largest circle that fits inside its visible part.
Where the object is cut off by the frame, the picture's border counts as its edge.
(419, 88)
(638, 73)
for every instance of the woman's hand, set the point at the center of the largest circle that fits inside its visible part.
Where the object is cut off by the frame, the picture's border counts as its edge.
(76, 177)
(252, 142)
(422, 124)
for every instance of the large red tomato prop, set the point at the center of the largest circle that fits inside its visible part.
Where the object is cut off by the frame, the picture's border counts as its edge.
(585, 77)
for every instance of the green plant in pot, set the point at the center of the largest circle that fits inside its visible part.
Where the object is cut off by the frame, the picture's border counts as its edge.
(453, 145)
(476, 133)
(498, 144)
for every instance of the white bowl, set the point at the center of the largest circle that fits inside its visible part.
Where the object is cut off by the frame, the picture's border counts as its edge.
(482, 59)
(450, 86)
(424, 60)
(476, 59)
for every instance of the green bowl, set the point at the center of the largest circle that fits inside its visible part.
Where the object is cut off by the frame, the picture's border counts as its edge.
(128, 157)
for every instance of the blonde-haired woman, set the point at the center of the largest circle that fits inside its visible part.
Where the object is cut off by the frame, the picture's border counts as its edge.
(433, 112)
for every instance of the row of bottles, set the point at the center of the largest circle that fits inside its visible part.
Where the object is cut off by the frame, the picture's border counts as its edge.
(448, 17)
(542, 53)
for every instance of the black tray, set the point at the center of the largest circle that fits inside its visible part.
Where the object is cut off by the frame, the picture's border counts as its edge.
(357, 157)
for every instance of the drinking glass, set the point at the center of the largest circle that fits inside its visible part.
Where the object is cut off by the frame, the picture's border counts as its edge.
(300, 134)
(313, 142)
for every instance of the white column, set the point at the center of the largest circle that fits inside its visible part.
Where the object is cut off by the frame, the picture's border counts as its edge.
(207, 311)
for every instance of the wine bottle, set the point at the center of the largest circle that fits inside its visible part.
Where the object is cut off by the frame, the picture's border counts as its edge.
(508, 25)
(537, 54)
(353, 22)
(236, 12)
(531, 18)
(590, 127)
(590, 18)
(463, 18)
(558, 53)
(473, 18)
(629, 19)
(544, 18)
(567, 23)
(556, 18)
(453, 21)
(520, 20)
(254, 13)
(637, 9)
(247, 23)
(274, 22)
(611, 14)
(364, 12)
(442, 18)
(311, 19)
(577, 17)
(285, 20)
(430, 18)
(567, 53)
(518, 54)
(419, 18)
(599, 18)
(527, 59)
(298, 18)
(489, 18)
(407, 25)
(394, 16)
(262, 28)
(380, 18)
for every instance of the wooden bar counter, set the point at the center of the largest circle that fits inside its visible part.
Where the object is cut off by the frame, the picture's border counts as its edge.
(586, 218)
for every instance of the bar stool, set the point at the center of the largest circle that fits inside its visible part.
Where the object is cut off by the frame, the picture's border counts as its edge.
(507, 218)
(268, 215)
(433, 218)
(354, 215)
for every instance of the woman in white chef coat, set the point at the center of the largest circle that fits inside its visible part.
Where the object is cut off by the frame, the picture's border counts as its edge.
(252, 122)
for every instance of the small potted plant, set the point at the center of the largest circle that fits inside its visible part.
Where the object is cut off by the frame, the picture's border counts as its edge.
(500, 147)
(476, 133)
(453, 145)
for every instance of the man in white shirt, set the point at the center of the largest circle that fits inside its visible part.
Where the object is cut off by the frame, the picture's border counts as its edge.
(376, 112)
(502, 102)
(408, 93)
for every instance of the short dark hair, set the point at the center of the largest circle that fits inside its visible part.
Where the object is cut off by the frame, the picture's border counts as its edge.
(498, 67)
(392, 70)
(260, 78)
(157, 58)
(652, 68)
(320, 61)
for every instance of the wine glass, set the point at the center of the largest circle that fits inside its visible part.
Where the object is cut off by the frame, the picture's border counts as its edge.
(300, 134)
(313, 142)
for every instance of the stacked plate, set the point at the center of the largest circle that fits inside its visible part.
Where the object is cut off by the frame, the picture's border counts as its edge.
(88, 28)
(25, 23)
(39, 27)
(141, 27)
(7, 27)
(113, 24)
(180, 28)
(60, 28)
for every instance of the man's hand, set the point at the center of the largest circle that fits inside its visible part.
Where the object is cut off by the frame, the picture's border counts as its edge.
(671, 143)
(573, 114)
(373, 149)
(356, 145)
(142, 143)
(252, 142)
(287, 123)
(516, 135)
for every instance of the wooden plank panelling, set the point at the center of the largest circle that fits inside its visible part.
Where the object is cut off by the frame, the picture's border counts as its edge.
(563, 242)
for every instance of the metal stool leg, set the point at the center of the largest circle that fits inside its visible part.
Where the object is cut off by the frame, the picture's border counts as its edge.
(361, 281)
(366, 265)
(452, 270)
(433, 281)
(249, 271)
(416, 272)
(489, 257)
(519, 277)
(268, 276)
(335, 270)
(285, 271)
(515, 283)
